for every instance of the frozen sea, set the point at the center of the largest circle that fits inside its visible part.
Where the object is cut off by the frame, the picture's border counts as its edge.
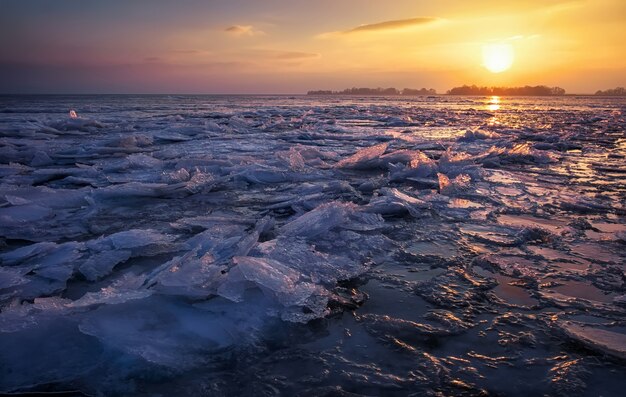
(312, 246)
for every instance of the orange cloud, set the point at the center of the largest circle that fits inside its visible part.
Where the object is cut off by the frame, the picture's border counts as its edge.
(243, 30)
(283, 55)
(391, 25)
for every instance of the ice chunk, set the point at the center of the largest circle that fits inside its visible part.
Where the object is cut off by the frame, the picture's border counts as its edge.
(109, 296)
(598, 339)
(317, 266)
(208, 221)
(10, 277)
(478, 134)
(420, 166)
(132, 162)
(140, 160)
(452, 163)
(192, 275)
(274, 278)
(521, 153)
(393, 202)
(76, 124)
(199, 271)
(364, 159)
(130, 141)
(319, 220)
(51, 261)
(200, 181)
(588, 205)
(404, 156)
(266, 273)
(294, 159)
(102, 263)
(460, 184)
(138, 239)
(106, 252)
(45, 197)
(313, 153)
(180, 175)
(16, 215)
(162, 331)
(170, 136)
(363, 221)
(132, 189)
(41, 159)
(22, 254)
(266, 175)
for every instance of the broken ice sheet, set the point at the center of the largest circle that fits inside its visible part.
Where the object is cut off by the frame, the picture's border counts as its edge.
(200, 243)
(604, 341)
(279, 281)
(365, 158)
(160, 331)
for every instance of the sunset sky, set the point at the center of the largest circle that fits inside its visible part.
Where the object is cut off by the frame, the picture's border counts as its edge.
(271, 46)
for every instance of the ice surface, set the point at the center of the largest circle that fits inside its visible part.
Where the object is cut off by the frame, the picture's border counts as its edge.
(160, 332)
(459, 185)
(478, 134)
(194, 245)
(101, 264)
(274, 278)
(365, 158)
(602, 340)
(394, 202)
(318, 221)
(520, 153)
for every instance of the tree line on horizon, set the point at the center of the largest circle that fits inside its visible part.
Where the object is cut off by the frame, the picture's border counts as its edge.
(539, 90)
(376, 91)
(617, 91)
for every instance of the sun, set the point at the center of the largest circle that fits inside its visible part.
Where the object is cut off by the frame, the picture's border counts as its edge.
(497, 57)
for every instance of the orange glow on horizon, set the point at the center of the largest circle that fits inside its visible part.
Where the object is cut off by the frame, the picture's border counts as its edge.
(289, 47)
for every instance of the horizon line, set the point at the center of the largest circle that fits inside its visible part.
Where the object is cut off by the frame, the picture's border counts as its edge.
(259, 94)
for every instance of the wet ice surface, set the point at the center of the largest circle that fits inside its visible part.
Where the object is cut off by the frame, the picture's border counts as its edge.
(166, 245)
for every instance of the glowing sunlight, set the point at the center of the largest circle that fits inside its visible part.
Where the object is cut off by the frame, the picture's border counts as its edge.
(497, 57)
(493, 103)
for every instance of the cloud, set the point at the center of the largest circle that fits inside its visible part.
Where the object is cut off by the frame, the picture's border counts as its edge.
(243, 30)
(186, 51)
(391, 25)
(384, 26)
(278, 55)
(292, 55)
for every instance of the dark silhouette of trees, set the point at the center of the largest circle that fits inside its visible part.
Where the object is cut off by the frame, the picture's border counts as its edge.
(618, 91)
(421, 91)
(557, 91)
(540, 90)
(376, 91)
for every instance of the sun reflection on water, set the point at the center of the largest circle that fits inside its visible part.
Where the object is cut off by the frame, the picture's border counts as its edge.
(493, 104)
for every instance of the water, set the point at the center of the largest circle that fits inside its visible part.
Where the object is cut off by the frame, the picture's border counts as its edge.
(274, 245)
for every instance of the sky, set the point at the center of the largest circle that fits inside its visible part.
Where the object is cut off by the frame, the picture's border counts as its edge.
(271, 46)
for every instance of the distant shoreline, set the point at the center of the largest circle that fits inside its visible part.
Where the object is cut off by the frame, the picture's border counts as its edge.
(457, 95)
(5, 95)
(466, 90)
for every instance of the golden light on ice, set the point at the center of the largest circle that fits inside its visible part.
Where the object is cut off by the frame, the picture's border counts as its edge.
(497, 57)
(493, 103)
